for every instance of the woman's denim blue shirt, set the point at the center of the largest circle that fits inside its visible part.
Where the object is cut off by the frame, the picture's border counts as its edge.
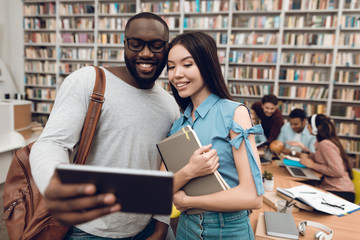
(213, 122)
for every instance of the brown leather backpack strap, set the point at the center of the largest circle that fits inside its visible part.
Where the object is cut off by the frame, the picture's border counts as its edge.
(96, 100)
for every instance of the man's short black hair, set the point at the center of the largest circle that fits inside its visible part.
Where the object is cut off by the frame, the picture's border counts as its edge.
(298, 113)
(270, 98)
(147, 15)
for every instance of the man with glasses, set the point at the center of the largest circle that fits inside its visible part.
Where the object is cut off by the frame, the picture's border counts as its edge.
(136, 114)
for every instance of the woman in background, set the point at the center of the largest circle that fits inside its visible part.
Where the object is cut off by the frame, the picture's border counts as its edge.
(329, 159)
(222, 125)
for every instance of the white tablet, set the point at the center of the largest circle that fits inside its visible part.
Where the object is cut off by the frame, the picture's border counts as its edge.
(137, 190)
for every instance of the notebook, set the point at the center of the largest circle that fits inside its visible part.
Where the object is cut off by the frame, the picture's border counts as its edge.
(137, 190)
(176, 151)
(280, 225)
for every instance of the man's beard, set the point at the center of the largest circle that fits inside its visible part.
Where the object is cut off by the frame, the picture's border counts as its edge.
(144, 81)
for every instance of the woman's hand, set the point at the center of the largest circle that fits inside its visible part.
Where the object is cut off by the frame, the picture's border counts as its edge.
(179, 199)
(305, 160)
(204, 161)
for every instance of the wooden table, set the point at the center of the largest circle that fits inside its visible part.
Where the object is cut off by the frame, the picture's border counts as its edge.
(347, 227)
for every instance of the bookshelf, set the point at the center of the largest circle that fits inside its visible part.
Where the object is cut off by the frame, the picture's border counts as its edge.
(307, 52)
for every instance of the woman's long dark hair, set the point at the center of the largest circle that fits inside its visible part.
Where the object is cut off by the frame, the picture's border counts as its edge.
(326, 130)
(203, 50)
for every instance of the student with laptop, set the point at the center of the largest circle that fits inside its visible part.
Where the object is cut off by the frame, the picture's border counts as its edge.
(329, 158)
(295, 131)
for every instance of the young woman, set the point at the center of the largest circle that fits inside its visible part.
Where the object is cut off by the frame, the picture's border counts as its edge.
(329, 158)
(225, 130)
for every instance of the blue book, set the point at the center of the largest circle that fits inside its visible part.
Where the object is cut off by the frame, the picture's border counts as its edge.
(293, 163)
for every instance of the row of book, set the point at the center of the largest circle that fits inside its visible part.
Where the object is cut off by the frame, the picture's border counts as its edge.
(350, 21)
(311, 4)
(161, 7)
(248, 72)
(117, 7)
(346, 128)
(255, 21)
(252, 57)
(208, 22)
(314, 21)
(258, 5)
(45, 8)
(205, 6)
(42, 107)
(111, 54)
(306, 38)
(219, 37)
(68, 37)
(348, 58)
(222, 55)
(77, 53)
(316, 93)
(352, 76)
(36, 37)
(286, 107)
(347, 94)
(40, 52)
(111, 38)
(350, 112)
(172, 22)
(349, 39)
(76, 8)
(41, 93)
(254, 38)
(305, 75)
(351, 145)
(237, 89)
(40, 66)
(67, 68)
(44, 80)
(77, 23)
(40, 118)
(39, 23)
(113, 23)
(352, 4)
(306, 58)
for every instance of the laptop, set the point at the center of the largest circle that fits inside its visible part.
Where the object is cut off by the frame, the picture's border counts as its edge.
(300, 172)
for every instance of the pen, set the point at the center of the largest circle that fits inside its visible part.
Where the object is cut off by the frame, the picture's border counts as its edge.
(309, 192)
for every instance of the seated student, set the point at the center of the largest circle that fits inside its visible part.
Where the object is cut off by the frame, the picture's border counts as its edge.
(330, 158)
(295, 131)
(259, 138)
(270, 116)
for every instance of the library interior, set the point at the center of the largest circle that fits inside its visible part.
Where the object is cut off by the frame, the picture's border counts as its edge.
(303, 53)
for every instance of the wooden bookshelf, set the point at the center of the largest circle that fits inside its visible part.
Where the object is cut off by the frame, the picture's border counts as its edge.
(307, 52)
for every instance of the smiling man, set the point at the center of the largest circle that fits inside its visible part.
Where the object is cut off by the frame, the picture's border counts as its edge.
(296, 131)
(134, 106)
(270, 116)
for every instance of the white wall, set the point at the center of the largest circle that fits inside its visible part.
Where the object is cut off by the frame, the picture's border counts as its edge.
(11, 45)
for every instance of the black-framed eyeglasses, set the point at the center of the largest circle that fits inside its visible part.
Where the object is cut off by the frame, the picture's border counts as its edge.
(137, 45)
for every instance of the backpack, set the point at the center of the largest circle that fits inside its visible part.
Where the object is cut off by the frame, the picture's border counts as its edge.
(25, 211)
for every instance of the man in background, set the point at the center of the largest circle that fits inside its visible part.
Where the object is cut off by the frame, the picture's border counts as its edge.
(296, 131)
(270, 116)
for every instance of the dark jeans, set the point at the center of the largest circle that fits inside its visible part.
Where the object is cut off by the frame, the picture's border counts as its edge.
(77, 234)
